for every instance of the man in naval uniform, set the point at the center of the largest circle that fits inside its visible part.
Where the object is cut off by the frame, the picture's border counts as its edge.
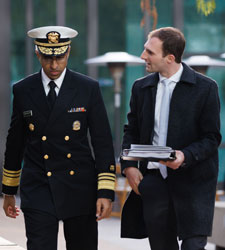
(53, 112)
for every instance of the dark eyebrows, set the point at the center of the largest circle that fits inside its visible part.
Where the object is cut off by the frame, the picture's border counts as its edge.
(149, 51)
(46, 57)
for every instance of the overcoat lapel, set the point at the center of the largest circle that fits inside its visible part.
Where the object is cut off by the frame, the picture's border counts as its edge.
(37, 95)
(150, 89)
(181, 96)
(66, 95)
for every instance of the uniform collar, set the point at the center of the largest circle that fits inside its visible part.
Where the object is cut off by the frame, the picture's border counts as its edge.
(58, 81)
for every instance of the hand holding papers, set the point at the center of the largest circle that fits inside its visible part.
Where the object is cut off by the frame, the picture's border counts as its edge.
(139, 152)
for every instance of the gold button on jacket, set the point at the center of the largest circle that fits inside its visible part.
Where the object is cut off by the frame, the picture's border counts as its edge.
(67, 138)
(72, 172)
(44, 138)
(46, 157)
(69, 155)
(31, 127)
(49, 174)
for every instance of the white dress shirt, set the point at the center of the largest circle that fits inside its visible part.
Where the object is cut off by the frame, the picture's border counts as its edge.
(58, 81)
(172, 84)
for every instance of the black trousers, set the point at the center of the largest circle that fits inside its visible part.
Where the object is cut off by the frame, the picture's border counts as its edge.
(80, 232)
(159, 215)
(195, 243)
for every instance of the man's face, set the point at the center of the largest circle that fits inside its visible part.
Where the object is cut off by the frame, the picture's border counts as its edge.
(53, 66)
(153, 55)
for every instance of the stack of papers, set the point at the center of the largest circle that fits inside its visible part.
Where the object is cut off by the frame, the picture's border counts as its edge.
(139, 152)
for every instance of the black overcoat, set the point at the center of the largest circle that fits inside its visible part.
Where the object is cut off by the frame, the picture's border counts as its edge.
(194, 128)
(61, 174)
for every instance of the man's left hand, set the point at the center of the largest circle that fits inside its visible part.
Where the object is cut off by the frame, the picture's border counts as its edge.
(9, 206)
(177, 162)
(103, 208)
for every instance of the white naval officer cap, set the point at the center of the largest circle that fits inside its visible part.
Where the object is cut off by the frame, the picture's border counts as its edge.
(52, 40)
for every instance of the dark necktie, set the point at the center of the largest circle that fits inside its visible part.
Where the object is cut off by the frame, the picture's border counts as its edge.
(51, 94)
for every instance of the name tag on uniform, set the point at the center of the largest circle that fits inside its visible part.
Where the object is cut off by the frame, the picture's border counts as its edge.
(27, 113)
(76, 110)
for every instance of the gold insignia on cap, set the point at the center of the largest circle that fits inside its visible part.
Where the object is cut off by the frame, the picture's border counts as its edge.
(31, 127)
(53, 51)
(76, 125)
(53, 37)
(60, 50)
(112, 168)
(46, 51)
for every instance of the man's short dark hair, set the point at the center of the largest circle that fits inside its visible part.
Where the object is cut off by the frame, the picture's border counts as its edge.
(173, 41)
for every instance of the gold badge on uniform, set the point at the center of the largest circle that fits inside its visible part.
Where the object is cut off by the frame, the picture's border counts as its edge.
(31, 127)
(112, 168)
(76, 125)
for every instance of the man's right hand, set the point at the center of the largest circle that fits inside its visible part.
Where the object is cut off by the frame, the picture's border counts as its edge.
(134, 177)
(9, 206)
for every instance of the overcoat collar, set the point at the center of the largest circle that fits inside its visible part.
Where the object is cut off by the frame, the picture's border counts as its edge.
(188, 76)
(151, 80)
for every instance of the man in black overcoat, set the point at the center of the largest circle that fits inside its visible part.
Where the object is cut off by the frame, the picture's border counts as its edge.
(49, 154)
(176, 200)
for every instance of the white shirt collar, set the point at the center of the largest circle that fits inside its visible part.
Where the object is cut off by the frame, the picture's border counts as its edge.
(58, 81)
(175, 77)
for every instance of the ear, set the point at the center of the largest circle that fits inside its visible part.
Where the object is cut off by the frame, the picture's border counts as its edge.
(68, 52)
(170, 58)
(38, 54)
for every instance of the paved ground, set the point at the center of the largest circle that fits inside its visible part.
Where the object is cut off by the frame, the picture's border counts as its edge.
(13, 231)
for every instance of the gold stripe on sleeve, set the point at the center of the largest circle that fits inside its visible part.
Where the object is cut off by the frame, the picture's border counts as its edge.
(106, 181)
(11, 178)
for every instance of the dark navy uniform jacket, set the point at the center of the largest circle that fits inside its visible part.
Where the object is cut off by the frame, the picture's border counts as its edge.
(49, 153)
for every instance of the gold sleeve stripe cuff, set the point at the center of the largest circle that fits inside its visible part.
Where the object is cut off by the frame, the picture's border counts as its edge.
(52, 44)
(106, 174)
(11, 172)
(106, 185)
(106, 178)
(11, 175)
(12, 182)
(11, 178)
(106, 181)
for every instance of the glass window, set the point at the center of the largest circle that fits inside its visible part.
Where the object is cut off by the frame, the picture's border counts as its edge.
(18, 36)
(112, 35)
(76, 18)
